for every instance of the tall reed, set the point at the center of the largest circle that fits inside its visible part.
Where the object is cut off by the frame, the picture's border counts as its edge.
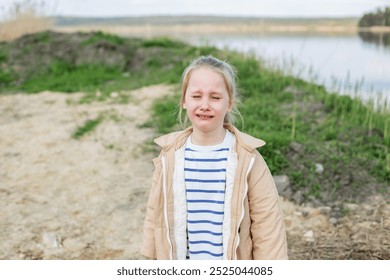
(24, 17)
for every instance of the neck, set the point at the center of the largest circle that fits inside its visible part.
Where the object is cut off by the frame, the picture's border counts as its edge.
(211, 138)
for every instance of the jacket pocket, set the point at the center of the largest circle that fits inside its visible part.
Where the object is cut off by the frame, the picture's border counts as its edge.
(162, 246)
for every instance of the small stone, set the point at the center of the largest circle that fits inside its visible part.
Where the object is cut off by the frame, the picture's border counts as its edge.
(333, 221)
(297, 197)
(114, 94)
(309, 236)
(297, 213)
(51, 240)
(282, 183)
(315, 212)
(305, 212)
(351, 206)
(296, 147)
(325, 210)
(319, 168)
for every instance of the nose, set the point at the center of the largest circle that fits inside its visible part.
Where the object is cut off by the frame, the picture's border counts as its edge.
(205, 105)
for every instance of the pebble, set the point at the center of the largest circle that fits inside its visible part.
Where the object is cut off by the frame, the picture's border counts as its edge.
(309, 236)
(296, 147)
(315, 212)
(325, 210)
(51, 240)
(351, 206)
(333, 221)
(319, 168)
(282, 183)
(114, 94)
(297, 213)
(298, 197)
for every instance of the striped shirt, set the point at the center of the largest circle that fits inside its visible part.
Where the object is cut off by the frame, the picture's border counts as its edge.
(205, 181)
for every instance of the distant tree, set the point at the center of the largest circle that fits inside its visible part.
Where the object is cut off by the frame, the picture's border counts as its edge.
(379, 18)
(387, 16)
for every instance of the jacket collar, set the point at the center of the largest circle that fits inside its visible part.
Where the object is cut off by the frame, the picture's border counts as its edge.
(177, 139)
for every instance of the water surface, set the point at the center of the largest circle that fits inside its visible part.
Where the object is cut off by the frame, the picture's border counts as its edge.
(351, 64)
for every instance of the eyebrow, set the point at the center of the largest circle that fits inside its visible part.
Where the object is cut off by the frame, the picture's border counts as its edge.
(201, 92)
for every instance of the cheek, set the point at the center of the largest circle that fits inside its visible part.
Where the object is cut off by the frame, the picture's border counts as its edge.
(224, 108)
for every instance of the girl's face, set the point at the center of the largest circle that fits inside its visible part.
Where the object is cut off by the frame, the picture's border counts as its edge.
(206, 100)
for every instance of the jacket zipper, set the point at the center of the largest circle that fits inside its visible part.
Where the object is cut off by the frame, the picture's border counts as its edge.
(242, 205)
(166, 205)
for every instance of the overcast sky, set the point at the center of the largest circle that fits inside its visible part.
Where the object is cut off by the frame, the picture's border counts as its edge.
(272, 8)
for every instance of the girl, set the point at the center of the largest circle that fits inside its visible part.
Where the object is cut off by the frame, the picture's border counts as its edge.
(212, 195)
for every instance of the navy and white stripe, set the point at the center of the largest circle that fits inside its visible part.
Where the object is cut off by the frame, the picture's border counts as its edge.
(205, 180)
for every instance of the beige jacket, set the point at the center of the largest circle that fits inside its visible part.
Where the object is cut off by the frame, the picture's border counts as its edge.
(253, 225)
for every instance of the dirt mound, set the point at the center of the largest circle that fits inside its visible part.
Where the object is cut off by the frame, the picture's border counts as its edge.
(34, 54)
(63, 198)
(38, 54)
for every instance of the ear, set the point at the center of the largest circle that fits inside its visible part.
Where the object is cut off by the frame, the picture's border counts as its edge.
(230, 108)
(184, 105)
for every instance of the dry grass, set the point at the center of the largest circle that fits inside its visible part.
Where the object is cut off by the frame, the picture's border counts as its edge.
(208, 28)
(24, 17)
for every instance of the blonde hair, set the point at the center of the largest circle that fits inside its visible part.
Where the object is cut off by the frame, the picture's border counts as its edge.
(228, 73)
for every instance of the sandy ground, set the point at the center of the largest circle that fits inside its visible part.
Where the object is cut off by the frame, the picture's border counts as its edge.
(62, 198)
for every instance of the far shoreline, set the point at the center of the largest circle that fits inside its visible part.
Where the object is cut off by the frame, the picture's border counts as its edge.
(210, 28)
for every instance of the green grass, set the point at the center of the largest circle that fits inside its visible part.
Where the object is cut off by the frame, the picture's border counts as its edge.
(6, 78)
(65, 77)
(87, 127)
(99, 36)
(6, 75)
(164, 42)
(3, 56)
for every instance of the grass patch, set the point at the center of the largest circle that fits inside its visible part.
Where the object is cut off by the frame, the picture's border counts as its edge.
(3, 56)
(164, 42)
(87, 127)
(99, 36)
(65, 77)
(6, 78)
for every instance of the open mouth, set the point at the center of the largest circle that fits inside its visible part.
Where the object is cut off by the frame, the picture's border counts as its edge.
(204, 117)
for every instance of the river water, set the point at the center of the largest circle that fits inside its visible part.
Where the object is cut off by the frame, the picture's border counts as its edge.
(357, 64)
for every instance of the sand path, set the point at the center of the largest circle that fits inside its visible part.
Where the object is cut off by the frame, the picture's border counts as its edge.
(67, 198)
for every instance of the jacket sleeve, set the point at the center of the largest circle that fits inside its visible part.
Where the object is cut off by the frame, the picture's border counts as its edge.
(148, 247)
(267, 225)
